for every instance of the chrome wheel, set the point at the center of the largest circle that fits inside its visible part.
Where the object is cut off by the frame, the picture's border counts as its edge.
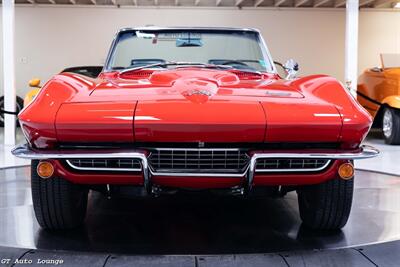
(387, 125)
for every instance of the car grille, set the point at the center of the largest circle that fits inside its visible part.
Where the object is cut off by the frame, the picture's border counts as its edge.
(301, 165)
(122, 164)
(198, 160)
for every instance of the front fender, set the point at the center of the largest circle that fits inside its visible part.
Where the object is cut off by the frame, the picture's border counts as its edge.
(356, 121)
(37, 119)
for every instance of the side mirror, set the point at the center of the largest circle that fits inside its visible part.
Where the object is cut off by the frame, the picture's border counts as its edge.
(34, 83)
(291, 67)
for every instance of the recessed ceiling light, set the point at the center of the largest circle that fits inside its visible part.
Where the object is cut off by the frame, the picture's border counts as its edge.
(397, 5)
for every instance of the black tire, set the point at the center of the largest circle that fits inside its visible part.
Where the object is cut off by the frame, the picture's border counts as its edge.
(326, 206)
(19, 106)
(58, 203)
(392, 137)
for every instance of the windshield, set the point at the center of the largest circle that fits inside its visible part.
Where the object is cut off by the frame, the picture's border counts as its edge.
(236, 49)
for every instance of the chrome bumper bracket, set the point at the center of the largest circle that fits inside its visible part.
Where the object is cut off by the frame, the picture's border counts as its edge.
(364, 153)
(23, 151)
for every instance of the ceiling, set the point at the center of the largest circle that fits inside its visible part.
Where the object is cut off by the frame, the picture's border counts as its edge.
(218, 3)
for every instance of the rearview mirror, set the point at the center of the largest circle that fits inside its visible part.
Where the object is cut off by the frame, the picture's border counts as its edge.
(187, 42)
(34, 83)
(291, 67)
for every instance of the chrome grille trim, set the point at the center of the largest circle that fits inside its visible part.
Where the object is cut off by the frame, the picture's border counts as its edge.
(120, 165)
(294, 165)
(199, 174)
(201, 161)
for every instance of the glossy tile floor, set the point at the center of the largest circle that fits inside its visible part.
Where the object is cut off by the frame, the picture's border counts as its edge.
(199, 223)
(6, 158)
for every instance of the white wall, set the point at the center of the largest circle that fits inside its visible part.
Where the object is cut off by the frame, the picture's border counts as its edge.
(379, 33)
(49, 39)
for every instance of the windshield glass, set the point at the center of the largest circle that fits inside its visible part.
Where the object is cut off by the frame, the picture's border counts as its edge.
(237, 49)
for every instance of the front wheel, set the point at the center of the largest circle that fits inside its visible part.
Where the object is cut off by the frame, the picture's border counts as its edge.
(326, 206)
(58, 203)
(391, 126)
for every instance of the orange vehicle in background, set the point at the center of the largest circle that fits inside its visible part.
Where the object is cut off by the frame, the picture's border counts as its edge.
(35, 84)
(378, 92)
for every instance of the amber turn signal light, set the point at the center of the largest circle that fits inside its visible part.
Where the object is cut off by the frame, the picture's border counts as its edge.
(346, 171)
(45, 169)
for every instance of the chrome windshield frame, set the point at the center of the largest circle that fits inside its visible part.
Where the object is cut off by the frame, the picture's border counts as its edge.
(264, 49)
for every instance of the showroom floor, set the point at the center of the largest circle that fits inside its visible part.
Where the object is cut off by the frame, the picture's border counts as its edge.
(6, 158)
(204, 230)
(200, 223)
(208, 229)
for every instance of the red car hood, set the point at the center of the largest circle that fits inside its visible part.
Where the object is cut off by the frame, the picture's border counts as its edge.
(196, 105)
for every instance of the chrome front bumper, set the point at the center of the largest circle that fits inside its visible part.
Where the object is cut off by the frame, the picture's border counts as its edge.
(23, 151)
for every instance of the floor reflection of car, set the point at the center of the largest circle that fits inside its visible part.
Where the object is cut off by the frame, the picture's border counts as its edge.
(379, 92)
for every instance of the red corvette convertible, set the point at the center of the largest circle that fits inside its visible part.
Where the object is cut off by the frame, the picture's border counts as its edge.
(198, 109)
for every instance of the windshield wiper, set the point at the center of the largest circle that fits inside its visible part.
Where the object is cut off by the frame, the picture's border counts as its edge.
(173, 63)
(197, 64)
(205, 65)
